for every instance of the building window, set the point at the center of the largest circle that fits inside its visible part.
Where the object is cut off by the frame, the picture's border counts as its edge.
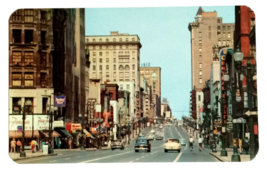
(224, 42)
(120, 39)
(100, 47)
(200, 50)
(28, 58)
(200, 65)
(200, 80)
(200, 42)
(107, 67)
(133, 74)
(228, 27)
(100, 60)
(121, 87)
(199, 96)
(218, 20)
(209, 35)
(223, 28)
(133, 67)
(16, 79)
(107, 74)
(94, 75)
(43, 39)
(114, 39)
(100, 67)
(114, 67)
(200, 57)
(16, 58)
(114, 80)
(223, 34)
(43, 79)
(114, 53)
(28, 36)
(228, 42)
(100, 74)
(94, 67)
(121, 67)
(114, 74)
(43, 17)
(28, 79)
(100, 40)
(128, 87)
(94, 60)
(107, 53)
(209, 28)
(16, 36)
(16, 16)
(43, 59)
(28, 15)
(219, 43)
(200, 34)
(127, 47)
(219, 28)
(107, 40)
(133, 39)
(228, 35)
(200, 73)
(133, 53)
(126, 39)
(94, 54)
(93, 40)
(114, 60)
(15, 106)
(31, 107)
(107, 60)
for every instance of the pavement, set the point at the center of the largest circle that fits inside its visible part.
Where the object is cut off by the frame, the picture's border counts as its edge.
(243, 157)
(29, 154)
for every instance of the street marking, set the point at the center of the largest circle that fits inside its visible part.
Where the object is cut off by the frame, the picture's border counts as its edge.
(130, 161)
(177, 158)
(53, 161)
(105, 157)
(137, 159)
(185, 146)
(67, 158)
(179, 133)
(154, 153)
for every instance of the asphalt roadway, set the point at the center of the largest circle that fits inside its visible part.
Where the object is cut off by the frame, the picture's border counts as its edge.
(128, 155)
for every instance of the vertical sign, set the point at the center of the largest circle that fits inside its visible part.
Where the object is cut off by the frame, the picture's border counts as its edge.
(60, 101)
(223, 54)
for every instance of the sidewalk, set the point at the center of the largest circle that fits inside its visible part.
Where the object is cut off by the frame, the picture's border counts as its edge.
(29, 154)
(243, 157)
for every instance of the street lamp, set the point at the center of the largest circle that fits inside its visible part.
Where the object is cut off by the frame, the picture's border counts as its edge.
(25, 108)
(99, 121)
(51, 113)
(82, 138)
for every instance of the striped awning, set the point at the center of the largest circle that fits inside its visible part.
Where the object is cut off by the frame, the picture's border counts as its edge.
(54, 133)
(27, 134)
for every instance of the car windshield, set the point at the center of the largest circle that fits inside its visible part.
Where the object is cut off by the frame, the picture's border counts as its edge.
(172, 141)
(141, 141)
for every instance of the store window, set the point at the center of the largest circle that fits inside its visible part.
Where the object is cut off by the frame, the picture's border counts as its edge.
(28, 78)
(16, 79)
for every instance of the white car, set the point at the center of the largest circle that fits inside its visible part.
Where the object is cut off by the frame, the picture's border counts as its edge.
(152, 131)
(172, 144)
(150, 137)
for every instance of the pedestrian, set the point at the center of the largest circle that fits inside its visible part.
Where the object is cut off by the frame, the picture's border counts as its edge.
(13, 145)
(32, 145)
(70, 143)
(246, 145)
(200, 143)
(18, 146)
(240, 145)
(59, 143)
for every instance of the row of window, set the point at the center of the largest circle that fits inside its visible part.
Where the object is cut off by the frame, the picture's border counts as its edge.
(114, 47)
(28, 39)
(16, 108)
(218, 34)
(121, 60)
(17, 79)
(114, 53)
(28, 58)
(121, 74)
(107, 40)
(114, 67)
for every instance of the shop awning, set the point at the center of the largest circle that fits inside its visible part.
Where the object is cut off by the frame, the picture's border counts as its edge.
(88, 134)
(63, 132)
(27, 134)
(54, 133)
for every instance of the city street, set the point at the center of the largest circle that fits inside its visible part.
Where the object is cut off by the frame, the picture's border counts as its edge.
(128, 155)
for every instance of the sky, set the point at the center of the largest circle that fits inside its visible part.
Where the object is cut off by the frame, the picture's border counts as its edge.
(165, 39)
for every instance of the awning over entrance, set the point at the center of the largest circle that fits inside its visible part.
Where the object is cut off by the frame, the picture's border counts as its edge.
(54, 133)
(27, 134)
(63, 132)
(88, 134)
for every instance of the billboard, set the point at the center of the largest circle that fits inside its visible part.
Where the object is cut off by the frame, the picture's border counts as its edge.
(60, 101)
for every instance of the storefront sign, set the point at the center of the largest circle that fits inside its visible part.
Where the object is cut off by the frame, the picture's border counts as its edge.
(60, 101)
(93, 130)
(59, 123)
(16, 120)
(75, 126)
(229, 123)
(41, 122)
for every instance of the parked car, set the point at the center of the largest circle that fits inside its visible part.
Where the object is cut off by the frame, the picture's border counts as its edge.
(159, 136)
(117, 144)
(142, 143)
(182, 141)
(152, 131)
(172, 145)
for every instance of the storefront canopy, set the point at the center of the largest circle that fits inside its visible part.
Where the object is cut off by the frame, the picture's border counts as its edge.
(88, 134)
(27, 134)
(54, 133)
(63, 132)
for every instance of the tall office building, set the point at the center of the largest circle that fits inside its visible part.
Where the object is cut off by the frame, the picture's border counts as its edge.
(208, 29)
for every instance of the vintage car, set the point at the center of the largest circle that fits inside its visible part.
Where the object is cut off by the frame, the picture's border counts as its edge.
(172, 144)
(152, 131)
(150, 136)
(117, 144)
(142, 144)
(159, 136)
(182, 141)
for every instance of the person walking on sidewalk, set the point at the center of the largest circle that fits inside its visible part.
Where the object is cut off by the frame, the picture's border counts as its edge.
(32, 145)
(200, 143)
(18, 146)
(246, 145)
(191, 140)
(13, 145)
(240, 145)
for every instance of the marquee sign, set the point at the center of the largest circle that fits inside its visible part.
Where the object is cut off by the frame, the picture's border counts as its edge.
(60, 101)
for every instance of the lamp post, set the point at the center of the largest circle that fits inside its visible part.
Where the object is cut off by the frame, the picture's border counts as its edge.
(99, 121)
(51, 113)
(25, 108)
(82, 138)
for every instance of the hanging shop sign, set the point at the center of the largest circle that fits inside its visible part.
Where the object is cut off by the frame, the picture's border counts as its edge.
(93, 130)
(229, 123)
(16, 120)
(41, 122)
(75, 126)
(60, 101)
(58, 123)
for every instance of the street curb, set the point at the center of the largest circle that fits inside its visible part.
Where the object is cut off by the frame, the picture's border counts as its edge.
(22, 158)
(216, 157)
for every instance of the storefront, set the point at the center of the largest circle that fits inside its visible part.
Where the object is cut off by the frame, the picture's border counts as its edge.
(62, 141)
